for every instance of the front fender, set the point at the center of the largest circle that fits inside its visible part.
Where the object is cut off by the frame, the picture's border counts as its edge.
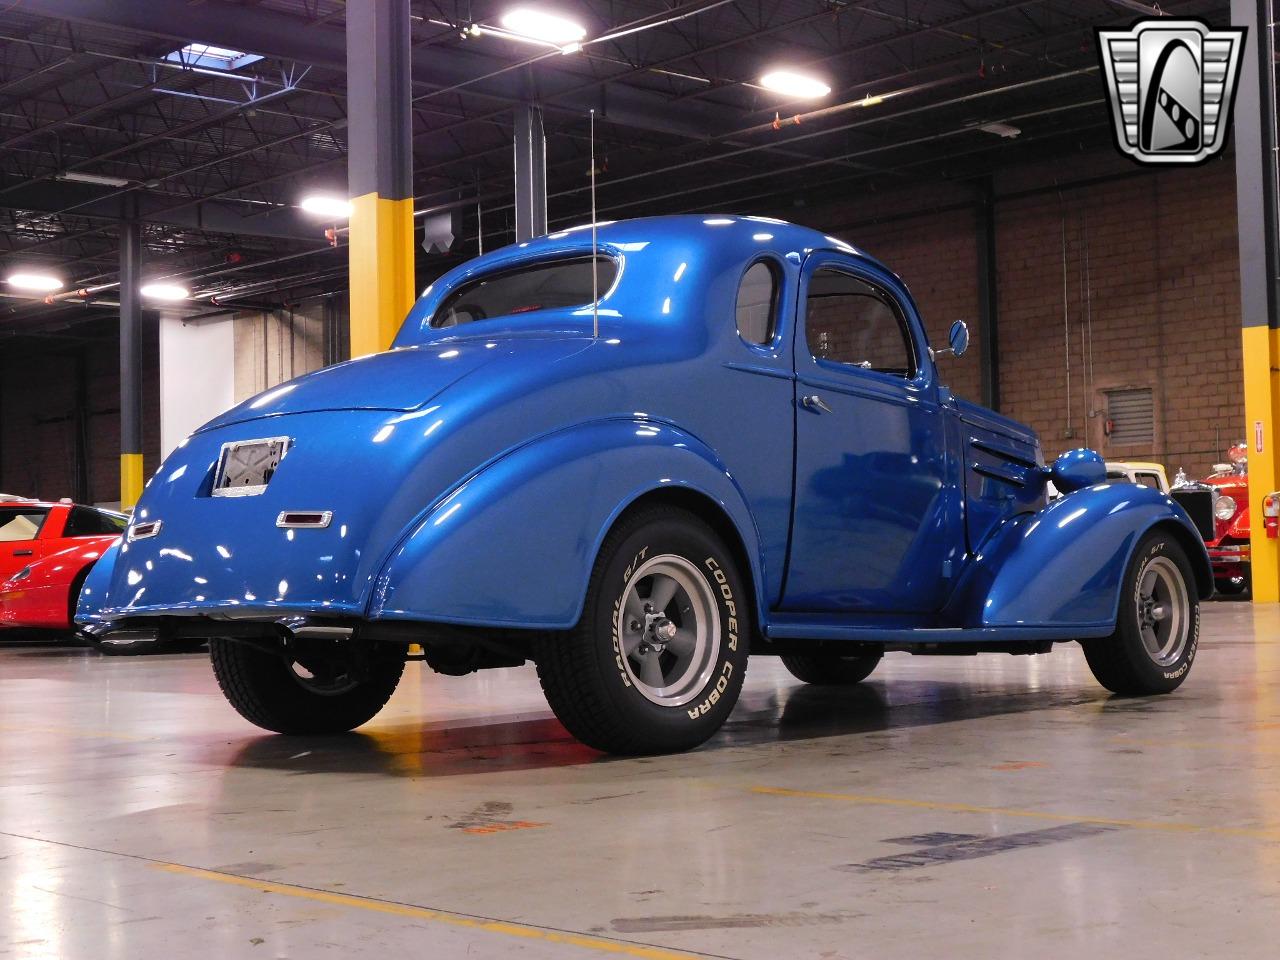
(515, 544)
(1063, 565)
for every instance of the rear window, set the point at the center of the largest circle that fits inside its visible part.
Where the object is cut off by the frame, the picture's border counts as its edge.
(546, 286)
(88, 522)
(21, 523)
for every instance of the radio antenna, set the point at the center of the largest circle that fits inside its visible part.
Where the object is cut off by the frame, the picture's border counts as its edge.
(595, 260)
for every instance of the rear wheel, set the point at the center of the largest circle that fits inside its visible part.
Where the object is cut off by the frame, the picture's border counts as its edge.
(308, 695)
(656, 663)
(828, 669)
(1158, 625)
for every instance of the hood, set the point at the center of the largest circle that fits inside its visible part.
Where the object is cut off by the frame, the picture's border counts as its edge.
(980, 416)
(400, 380)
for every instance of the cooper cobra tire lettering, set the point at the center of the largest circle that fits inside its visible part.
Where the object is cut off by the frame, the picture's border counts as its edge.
(617, 605)
(598, 690)
(726, 671)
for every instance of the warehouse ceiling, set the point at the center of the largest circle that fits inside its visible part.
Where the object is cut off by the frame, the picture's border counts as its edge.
(108, 111)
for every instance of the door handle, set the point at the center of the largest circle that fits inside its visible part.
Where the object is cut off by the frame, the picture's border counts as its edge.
(23, 553)
(815, 403)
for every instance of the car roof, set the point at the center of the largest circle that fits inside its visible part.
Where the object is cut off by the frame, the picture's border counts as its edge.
(748, 234)
(1136, 465)
(713, 239)
(51, 504)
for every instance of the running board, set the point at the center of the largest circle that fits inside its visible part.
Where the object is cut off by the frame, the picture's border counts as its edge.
(898, 630)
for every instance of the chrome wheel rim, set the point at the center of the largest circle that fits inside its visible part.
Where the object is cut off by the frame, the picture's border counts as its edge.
(1163, 609)
(668, 630)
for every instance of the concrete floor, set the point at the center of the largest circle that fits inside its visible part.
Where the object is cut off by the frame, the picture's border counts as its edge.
(962, 808)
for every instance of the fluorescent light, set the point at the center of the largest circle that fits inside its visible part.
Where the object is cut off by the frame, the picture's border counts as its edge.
(322, 205)
(792, 84)
(165, 291)
(543, 26)
(208, 55)
(35, 282)
(76, 176)
(717, 221)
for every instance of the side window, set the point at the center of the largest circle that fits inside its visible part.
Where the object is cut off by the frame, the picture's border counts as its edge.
(757, 307)
(87, 522)
(20, 523)
(850, 321)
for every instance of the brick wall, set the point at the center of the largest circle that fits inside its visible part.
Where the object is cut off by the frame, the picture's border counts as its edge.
(38, 417)
(1151, 268)
(1150, 299)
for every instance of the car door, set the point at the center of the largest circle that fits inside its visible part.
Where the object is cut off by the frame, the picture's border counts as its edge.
(876, 525)
(20, 527)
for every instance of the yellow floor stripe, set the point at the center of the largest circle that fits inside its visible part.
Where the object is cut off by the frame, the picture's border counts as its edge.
(1165, 825)
(522, 931)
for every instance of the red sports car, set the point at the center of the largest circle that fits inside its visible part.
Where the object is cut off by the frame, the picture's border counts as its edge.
(46, 550)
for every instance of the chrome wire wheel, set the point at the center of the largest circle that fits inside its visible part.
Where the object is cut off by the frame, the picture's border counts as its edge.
(668, 629)
(1164, 611)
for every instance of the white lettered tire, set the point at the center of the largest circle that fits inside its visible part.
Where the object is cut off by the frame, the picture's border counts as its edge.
(656, 663)
(1157, 625)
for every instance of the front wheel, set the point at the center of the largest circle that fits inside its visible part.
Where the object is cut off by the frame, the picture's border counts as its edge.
(1158, 624)
(657, 660)
(308, 695)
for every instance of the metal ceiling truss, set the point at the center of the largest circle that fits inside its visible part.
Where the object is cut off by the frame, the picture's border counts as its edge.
(213, 161)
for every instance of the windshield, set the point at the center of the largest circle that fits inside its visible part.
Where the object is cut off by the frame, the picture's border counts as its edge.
(544, 286)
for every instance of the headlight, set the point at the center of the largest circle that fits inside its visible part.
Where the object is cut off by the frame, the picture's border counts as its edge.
(1224, 507)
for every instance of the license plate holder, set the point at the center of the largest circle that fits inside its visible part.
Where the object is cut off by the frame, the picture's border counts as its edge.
(245, 467)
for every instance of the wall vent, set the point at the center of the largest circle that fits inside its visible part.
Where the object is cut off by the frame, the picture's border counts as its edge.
(1131, 414)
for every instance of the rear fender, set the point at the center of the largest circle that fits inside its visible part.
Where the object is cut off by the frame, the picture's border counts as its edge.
(1063, 565)
(93, 595)
(515, 544)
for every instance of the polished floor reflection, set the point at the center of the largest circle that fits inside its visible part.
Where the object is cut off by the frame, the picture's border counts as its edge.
(983, 807)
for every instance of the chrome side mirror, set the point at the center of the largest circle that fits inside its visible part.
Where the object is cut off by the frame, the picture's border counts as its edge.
(958, 338)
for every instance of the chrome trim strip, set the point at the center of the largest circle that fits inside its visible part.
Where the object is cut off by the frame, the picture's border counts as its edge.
(304, 519)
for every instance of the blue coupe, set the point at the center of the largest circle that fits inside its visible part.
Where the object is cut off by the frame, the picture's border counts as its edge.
(636, 458)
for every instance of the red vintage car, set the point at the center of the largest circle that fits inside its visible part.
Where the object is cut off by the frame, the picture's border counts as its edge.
(1219, 507)
(46, 550)
(1229, 547)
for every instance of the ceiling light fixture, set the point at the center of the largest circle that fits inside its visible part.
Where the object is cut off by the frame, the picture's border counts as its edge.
(75, 176)
(35, 282)
(325, 205)
(169, 292)
(531, 24)
(792, 84)
(1006, 130)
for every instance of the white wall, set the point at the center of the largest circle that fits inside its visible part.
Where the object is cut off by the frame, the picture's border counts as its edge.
(197, 375)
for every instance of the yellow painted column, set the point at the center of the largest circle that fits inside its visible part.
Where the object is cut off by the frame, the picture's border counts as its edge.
(130, 479)
(381, 265)
(379, 170)
(1261, 402)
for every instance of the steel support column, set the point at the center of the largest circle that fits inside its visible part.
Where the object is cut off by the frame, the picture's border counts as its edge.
(130, 364)
(988, 313)
(380, 171)
(1255, 141)
(531, 173)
